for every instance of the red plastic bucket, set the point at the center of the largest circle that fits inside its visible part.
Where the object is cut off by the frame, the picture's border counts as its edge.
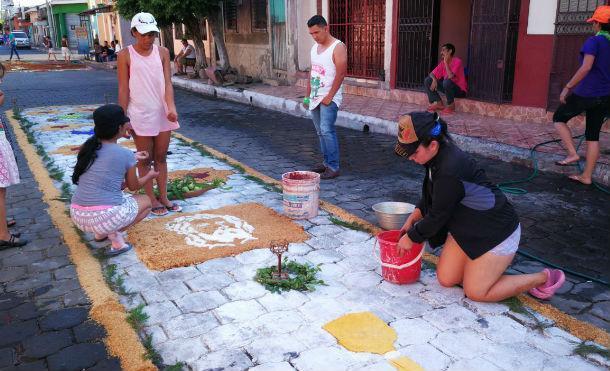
(399, 269)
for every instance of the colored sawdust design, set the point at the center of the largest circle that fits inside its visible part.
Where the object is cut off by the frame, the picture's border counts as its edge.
(67, 150)
(201, 174)
(61, 127)
(72, 150)
(365, 332)
(128, 144)
(186, 239)
(22, 66)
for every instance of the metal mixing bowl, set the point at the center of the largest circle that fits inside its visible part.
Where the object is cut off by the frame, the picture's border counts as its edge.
(392, 215)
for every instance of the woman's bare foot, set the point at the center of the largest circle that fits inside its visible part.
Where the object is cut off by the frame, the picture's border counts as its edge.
(570, 160)
(581, 179)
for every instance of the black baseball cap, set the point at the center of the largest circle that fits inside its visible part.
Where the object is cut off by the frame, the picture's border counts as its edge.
(110, 114)
(412, 128)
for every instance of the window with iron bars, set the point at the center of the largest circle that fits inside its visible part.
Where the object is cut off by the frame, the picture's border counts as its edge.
(230, 15)
(259, 15)
(360, 24)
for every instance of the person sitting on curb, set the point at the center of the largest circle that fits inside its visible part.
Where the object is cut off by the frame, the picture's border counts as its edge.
(99, 205)
(449, 78)
(187, 52)
(589, 91)
(461, 208)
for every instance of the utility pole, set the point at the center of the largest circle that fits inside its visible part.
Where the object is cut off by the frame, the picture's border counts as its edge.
(51, 21)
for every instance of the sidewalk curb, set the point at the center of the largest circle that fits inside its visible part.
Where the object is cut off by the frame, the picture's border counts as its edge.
(486, 148)
(582, 330)
(122, 340)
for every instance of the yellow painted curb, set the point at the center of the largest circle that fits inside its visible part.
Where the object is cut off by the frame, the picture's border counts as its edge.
(122, 341)
(580, 329)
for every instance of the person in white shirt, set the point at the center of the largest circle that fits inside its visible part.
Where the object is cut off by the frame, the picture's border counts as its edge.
(187, 52)
(324, 92)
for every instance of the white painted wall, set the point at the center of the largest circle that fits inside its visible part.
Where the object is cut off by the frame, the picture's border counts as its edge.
(541, 19)
(387, 57)
(306, 10)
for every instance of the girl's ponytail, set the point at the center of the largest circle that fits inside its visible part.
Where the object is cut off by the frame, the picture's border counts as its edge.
(86, 156)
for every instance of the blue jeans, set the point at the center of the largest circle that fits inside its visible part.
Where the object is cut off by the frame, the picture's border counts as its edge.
(14, 50)
(324, 118)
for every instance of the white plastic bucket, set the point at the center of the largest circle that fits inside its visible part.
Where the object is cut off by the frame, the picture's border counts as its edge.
(301, 190)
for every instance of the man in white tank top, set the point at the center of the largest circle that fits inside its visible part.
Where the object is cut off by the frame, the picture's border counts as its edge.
(324, 92)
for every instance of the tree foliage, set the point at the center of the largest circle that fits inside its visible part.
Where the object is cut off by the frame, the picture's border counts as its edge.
(191, 13)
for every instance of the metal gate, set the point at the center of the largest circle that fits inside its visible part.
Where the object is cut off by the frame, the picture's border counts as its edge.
(417, 41)
(360, 24)
(493, 47)
(279, 47)
(571, 31)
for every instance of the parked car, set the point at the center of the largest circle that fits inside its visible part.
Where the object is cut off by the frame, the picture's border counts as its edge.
(22, 40)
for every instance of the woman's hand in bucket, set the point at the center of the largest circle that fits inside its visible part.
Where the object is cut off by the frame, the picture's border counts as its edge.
(404, 244)
(415, 216)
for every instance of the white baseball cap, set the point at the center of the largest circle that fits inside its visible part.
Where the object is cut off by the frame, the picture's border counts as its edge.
(144, 23)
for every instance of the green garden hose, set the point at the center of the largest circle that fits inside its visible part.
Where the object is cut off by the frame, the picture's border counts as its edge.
(507, 187)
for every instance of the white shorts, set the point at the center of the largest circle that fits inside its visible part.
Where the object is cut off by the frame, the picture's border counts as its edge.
(51, 51)
(65, 51)
(510, 245)
(104, 220)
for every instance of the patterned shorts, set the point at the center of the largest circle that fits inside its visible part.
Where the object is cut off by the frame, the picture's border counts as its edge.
(105, 220)
(510, 245)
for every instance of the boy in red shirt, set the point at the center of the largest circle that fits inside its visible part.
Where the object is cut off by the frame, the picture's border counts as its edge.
(448, 77)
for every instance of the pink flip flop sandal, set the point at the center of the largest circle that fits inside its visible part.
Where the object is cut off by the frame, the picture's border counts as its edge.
(554, 281)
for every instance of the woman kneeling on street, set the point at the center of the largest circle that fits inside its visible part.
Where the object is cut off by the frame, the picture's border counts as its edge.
(462, 208)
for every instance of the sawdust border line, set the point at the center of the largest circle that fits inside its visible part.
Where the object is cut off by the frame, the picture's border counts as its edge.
(580, 329)
(122, 341)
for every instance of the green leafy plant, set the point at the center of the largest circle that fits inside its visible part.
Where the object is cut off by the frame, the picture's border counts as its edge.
(178, 188)
(175, 367)
(151, 353)
(137, 317)
(350, 225)
(302, 277)
(268, 186)
(583, 349)
(115, 280)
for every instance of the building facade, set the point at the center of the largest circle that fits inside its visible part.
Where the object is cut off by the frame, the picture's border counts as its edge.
(516, 52)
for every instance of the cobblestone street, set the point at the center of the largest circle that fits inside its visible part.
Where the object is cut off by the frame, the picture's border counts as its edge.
(212, 314)
(43, 311)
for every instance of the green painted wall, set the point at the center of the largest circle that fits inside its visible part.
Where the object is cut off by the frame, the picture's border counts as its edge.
(59, 13)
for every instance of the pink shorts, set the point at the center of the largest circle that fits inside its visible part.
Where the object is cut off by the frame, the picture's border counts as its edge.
(104, 220)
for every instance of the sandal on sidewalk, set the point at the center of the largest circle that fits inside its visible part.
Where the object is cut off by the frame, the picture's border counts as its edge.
(13, 241)
(111, 251)
(554, 280)
(10, 222)
(175, 208)
(159, 211)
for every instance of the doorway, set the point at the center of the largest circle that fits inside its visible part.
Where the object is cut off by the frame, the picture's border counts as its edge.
(417, 41)
(279, 47)
(360, 24)
(571, 31)
(484, 32)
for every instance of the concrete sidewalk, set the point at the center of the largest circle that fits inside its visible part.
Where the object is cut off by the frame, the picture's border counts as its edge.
(492, 137)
